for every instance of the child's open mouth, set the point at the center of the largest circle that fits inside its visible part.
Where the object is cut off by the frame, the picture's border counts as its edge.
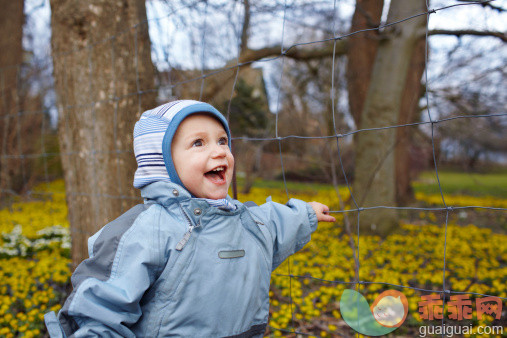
(216, 175)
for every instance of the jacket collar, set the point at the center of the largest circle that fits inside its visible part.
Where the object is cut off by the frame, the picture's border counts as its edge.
(164, 193)
(167, 193)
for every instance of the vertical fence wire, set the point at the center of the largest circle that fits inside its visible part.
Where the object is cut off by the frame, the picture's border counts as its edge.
(203, 50)
(136, 65)
(19, 115)
(277, 114)
(114, 98)
(228, 114)
(5, 120)
(92, 98)
(355, 248)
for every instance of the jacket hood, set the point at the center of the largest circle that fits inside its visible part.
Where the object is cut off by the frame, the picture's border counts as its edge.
(153, 135)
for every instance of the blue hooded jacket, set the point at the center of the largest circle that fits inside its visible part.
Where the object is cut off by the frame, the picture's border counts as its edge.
(178, 266)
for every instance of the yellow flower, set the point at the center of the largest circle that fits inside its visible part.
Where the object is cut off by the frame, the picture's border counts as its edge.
(412, 256)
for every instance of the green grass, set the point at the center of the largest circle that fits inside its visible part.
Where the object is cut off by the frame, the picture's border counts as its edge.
(460, 183)
(291, 185)
(452, 182)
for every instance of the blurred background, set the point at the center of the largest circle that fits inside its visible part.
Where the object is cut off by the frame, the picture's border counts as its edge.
(391, 112)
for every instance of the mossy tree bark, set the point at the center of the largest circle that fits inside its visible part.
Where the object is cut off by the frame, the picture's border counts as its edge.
(409, 113)
(375, 170)
(104, 79)
(361, 52)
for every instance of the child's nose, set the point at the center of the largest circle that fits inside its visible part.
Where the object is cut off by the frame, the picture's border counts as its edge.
(218, 151)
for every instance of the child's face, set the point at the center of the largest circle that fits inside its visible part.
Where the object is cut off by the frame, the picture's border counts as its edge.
(202, 157)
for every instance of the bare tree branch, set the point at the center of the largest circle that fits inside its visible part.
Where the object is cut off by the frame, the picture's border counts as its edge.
(488, 4)
(501, 35)
(296, 53)
(302, 54)
(246, 26)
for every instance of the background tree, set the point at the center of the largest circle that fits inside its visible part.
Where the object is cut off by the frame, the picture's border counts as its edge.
(104, 79)
(361, 55)
(248, 107)
(307, 111)
(361, 52)
(29, 150)
(11, 26)
(467, 141)
(375, 170)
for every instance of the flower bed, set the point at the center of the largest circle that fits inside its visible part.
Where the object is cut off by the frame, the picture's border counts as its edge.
(34, 265)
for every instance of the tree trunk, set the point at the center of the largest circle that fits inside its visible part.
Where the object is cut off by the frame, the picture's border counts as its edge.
(408, 114)
(362, 48)
(375, 183)
(102, 66)
(11, 26)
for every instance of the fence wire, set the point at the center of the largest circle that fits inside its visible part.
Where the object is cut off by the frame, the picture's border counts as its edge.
(337, 136)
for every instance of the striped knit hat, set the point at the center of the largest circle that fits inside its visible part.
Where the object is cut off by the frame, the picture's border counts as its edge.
(153, 135)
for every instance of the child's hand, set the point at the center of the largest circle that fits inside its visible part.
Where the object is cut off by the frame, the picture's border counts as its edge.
(322, 211)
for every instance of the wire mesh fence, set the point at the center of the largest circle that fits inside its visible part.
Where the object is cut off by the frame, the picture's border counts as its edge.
(30, 153)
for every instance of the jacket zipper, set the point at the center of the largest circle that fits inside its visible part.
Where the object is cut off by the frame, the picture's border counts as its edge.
(181, 244)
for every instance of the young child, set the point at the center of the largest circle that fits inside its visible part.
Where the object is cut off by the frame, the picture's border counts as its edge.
(190, 261)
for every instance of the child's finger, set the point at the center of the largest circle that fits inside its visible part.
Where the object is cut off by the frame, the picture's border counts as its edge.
(327, 218)
(322, 212)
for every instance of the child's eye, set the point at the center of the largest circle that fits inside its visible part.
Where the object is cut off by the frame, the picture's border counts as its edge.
(223, 141)
(197, 143)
